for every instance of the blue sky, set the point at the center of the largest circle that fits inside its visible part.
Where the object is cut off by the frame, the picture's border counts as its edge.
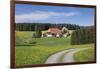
(25, 13)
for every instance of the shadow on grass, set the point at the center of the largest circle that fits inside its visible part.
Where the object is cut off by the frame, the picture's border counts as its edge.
(26, 45)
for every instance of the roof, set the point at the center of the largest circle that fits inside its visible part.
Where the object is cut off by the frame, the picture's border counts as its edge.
(54, 30)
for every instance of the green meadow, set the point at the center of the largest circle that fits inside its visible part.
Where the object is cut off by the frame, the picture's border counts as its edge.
(85, 55)
(29, 50)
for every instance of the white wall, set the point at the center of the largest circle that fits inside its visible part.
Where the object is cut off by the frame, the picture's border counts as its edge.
(5, 34)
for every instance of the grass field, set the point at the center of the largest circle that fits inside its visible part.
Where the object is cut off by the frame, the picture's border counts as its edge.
(25, 38)
(85, 55)
(30, 50)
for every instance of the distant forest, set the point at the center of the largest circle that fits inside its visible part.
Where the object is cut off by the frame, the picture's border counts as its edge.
(43, 26)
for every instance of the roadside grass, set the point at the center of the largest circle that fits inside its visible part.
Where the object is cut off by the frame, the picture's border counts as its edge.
(88, 46)
(38, 54)
(85, 55)
(35, 54)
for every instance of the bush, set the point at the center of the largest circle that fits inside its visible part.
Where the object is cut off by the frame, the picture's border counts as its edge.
(83, 36)
(37, 34)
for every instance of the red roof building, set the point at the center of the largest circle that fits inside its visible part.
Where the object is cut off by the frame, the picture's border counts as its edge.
(54, 30)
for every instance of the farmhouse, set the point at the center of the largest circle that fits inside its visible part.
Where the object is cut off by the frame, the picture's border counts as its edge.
(56, 32)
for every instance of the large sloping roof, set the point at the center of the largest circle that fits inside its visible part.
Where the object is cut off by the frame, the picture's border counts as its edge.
(54, 30)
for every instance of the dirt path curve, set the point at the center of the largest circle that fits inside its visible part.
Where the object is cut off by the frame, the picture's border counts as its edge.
(63, 56)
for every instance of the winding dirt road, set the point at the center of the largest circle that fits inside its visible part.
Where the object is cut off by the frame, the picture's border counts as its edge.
(63, 56)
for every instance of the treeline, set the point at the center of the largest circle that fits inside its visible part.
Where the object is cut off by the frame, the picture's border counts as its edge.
(42, 26)
(83, 36)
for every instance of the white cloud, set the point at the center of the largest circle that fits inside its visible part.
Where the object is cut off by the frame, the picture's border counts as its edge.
(41, 15)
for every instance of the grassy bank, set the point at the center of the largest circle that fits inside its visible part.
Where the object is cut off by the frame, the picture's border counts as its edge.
(85, 55)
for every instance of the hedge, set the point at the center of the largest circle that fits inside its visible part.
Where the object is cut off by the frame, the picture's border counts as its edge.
(83, 36)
